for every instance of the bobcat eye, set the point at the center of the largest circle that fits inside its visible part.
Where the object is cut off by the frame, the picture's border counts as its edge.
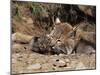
(72, 34)
(58, 40)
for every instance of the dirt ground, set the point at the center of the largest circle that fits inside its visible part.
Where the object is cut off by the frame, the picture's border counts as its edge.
(26, 61)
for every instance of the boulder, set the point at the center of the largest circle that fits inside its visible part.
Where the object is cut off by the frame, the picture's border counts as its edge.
(21, 38)
(88, 10)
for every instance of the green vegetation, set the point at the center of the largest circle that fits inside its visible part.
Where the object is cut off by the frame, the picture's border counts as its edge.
(17, 11)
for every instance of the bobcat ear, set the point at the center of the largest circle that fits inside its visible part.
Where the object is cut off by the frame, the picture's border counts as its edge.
(74, 28)
(57, 21)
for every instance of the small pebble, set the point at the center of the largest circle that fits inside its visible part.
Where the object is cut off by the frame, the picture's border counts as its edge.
(59, 63)
(36, 66)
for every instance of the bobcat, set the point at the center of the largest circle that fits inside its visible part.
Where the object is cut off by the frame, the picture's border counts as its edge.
(40, 44)
(47, 43)
(65, 38)
(60, 31)
(76, 43)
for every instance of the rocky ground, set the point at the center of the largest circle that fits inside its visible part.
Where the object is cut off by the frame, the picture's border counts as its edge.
(26, 61)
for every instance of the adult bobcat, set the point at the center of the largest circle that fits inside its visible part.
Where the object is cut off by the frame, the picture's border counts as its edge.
(65, 38)
(61, 38)
(46, 43)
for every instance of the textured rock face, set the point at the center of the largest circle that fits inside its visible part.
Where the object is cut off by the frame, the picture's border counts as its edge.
(88, 10)
(21, 38)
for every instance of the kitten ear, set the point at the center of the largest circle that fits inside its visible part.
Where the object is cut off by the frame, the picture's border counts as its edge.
(57, 21)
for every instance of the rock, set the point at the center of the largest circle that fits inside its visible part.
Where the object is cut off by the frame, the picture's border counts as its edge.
(85, 26)
(21, 38)
(36, 66)
(24, 18)
(29, 21)
(88, 10)
(55, 55)
(59, 63)
(61, 55)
